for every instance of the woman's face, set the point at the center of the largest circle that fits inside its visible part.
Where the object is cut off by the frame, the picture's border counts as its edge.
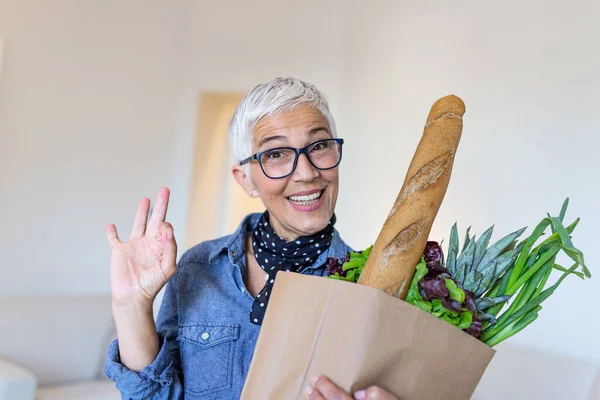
(292, 214)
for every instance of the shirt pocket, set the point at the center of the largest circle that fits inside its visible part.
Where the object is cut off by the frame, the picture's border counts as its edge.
(207, 355)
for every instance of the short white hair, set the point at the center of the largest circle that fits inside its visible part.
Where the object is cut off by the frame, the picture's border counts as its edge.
(269, 99)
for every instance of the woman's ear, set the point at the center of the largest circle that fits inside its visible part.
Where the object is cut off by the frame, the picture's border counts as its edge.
(240, 175)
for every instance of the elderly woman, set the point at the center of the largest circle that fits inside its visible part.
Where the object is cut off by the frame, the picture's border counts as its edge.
(284, 137)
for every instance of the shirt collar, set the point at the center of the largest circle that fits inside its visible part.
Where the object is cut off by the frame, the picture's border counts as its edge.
(234, 243)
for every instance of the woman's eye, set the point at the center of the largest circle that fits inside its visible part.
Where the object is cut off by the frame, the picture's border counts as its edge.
(320, 146)
(275, 154)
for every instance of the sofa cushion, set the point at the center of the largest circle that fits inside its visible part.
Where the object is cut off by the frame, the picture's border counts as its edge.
(102, 389)
(59, 339)
(16, 383)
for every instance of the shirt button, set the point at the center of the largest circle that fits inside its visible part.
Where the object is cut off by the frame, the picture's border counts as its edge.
(205, 336)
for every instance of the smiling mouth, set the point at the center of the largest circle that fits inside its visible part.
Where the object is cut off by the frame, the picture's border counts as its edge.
(306, 200)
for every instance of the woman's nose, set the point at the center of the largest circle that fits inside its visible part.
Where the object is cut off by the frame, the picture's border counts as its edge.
(305, 170)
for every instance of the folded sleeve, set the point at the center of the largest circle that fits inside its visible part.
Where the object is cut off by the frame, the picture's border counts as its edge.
(162, 378)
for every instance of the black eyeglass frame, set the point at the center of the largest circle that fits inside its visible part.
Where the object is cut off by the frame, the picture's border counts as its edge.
(303, 150)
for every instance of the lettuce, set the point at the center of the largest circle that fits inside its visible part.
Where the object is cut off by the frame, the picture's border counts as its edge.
(350, 267)
(439, 296)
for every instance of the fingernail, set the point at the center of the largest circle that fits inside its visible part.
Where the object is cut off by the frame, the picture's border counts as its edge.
(314, 378)
(170, 233)
(360, 394)
(309, 389)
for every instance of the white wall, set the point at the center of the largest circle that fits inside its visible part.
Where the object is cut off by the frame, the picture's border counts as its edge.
(528, 73)
(87, 116)
(98, 109)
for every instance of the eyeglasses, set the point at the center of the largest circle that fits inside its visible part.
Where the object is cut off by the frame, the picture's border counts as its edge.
(281, 162)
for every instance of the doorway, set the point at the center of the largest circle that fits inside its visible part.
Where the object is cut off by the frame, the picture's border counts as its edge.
(217, 203)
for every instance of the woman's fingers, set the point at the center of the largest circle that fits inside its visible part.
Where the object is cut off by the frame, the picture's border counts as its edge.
(328, 389)
(111, 235)
(160, 210)
(374, 393)
(313, 394)
(141, 217)
(169, 249)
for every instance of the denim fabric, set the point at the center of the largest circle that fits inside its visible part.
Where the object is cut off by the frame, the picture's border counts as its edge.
(207, 340)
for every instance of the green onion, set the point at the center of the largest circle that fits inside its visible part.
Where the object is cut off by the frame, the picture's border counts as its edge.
(528, 276)
(514, 328)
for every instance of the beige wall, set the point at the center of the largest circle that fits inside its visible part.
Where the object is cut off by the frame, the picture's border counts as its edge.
(1, 57)
(217, 202)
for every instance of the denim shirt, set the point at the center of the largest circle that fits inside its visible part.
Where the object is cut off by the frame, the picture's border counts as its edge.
(204, 329)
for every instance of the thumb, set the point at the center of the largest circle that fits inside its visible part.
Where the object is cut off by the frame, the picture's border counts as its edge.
(169, 248)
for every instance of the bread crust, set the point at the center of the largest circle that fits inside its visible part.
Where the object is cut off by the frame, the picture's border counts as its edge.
(400, 244)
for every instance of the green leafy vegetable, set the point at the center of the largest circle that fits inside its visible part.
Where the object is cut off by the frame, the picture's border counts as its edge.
(493, 292)
(350, 267)
(455, 292)
(528, 276)
(505, 282)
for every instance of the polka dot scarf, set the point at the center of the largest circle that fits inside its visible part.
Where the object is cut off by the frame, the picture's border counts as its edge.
(275, 254)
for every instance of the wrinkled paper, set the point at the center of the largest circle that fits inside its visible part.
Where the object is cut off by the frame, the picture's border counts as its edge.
(358, 336)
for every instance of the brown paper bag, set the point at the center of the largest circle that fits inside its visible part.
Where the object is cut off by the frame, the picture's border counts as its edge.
(358, 336)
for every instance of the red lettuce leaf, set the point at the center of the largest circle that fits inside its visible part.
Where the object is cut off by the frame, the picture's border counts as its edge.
(475, 328)
(433, 252)
(451, 305)
(433, 289)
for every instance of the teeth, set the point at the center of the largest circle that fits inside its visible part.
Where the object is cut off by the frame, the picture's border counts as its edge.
(306, 199)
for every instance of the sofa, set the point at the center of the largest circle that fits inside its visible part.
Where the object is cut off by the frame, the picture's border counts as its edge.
(54, 348)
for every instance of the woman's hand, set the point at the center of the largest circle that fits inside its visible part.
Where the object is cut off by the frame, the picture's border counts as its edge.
(324, 389)
(141, 266)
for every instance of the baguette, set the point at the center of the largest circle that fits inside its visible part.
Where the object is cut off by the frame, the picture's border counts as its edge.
(400, 244)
